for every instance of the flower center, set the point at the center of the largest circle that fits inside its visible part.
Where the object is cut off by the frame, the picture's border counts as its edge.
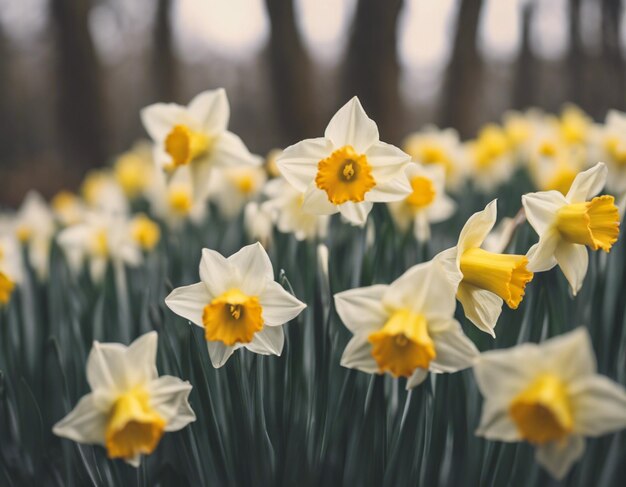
(547, 149)
(430, 153)
(145, 232)
(233, 317)
(100, 243)
(423, 193)
(180, 201)
(133, 427)
(543, 411)
(244, 182)
(593, 223)
(345, 176)
(490, 145)
(502, 274)
(185, 145)
(403, 344)
(6, 288)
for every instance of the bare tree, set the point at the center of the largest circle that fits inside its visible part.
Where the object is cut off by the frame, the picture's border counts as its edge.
(291, 73)
(464, 74)
(163, 58)
(80, 108)
(524, 83)
(615, 89)
(576, 55)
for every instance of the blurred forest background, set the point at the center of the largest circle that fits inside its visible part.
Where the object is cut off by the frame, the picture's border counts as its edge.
(75, 73)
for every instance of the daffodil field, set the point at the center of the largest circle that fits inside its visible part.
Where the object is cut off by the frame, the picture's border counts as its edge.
(340, 312)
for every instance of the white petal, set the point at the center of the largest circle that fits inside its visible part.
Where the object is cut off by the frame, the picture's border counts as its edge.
(316, 202)
(361, 310)
(298, 162)
(540, 208)
(587, 184)
(189, 302)
(417, 377)
(387, 161)
(573, 260)
(355, 213)
(455, 351)
(160, 118)
(571, 354)
(441, 209)
(558, 457)
(229, 150)
(478, 227)
(358, 355)
(269, 341)
(480, 306)
(106, 366)
(220, 353)
(254, 267)
(134, 462)
(211, 110)
(541, 255)
(448, 261)
(84, 424)
(216, 272)
(599, 406)
(391, 190)
(421, 227)
(495, 421)
(169, 397)
(141, 355)
(199, 178)
(279, 306)
(351, 126)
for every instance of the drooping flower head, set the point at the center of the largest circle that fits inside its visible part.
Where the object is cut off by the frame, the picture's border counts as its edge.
(348, 169)
(237, 303)
(129, 407)
(406, 328)
(483, 279)
(549, 395)
(567, 224)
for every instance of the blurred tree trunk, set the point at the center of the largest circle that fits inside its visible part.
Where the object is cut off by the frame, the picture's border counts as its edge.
(7, 131)
(372, 67)
(576, 56)
(292, 74)
(461, 90)
(524, 83)
(80, 104)
(615, 89)
(164, 61)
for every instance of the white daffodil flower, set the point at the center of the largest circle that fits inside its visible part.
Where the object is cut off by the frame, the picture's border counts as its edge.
(432, 146)
(550, 395)
(195, 136)
(103, 194)
(348, 169)
(406, 328)
(285, 204)
(237, 303)
(490, 158)
(68, 208)
(134, 170)
(230, 188)
(11, 267)
(172, 199)
(566, 224)
(100, 239)
(427, 203)
(609, 145)
(482, 279)
(258, 223)
(129, 406)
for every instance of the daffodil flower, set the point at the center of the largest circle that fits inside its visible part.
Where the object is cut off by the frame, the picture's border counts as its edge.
(230, 188)
(567, 224)
(348, 169)
(258, 223)
(103, 194)
(68, 208)
(129, 407)
(549, 395)
(490, 158)
(134, 170)
(427, 203)
(195, 136)
(483, 279)
(609, 145)
(237, 303)
(11, 267)
(405, 328)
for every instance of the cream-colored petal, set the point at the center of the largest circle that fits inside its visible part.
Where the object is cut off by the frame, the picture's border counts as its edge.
(217, 273)
(387, 161)
(355, 213)
(599, 405)
(220, 353)
(571, 354)
(421, 227)
(269, 341)
(541, 255)
(573, 259)
(211, 110)
(480, 306)
(298, 162)
(315, 202)
(455, 351)
(169, 396)
(587, 184)
(417, 377)
(254, 268)
(351, 126)
(495, 422)
(477, 227)
(448, 259)
(229, 150)
(394, 189)
(160, 118)
(540, 209)
(141, 354)
(558, 457)
(189, 302)
(361, 310)
(358, 355)
(86, 423)
(279, 306)
(107, 366)
(442, 208)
